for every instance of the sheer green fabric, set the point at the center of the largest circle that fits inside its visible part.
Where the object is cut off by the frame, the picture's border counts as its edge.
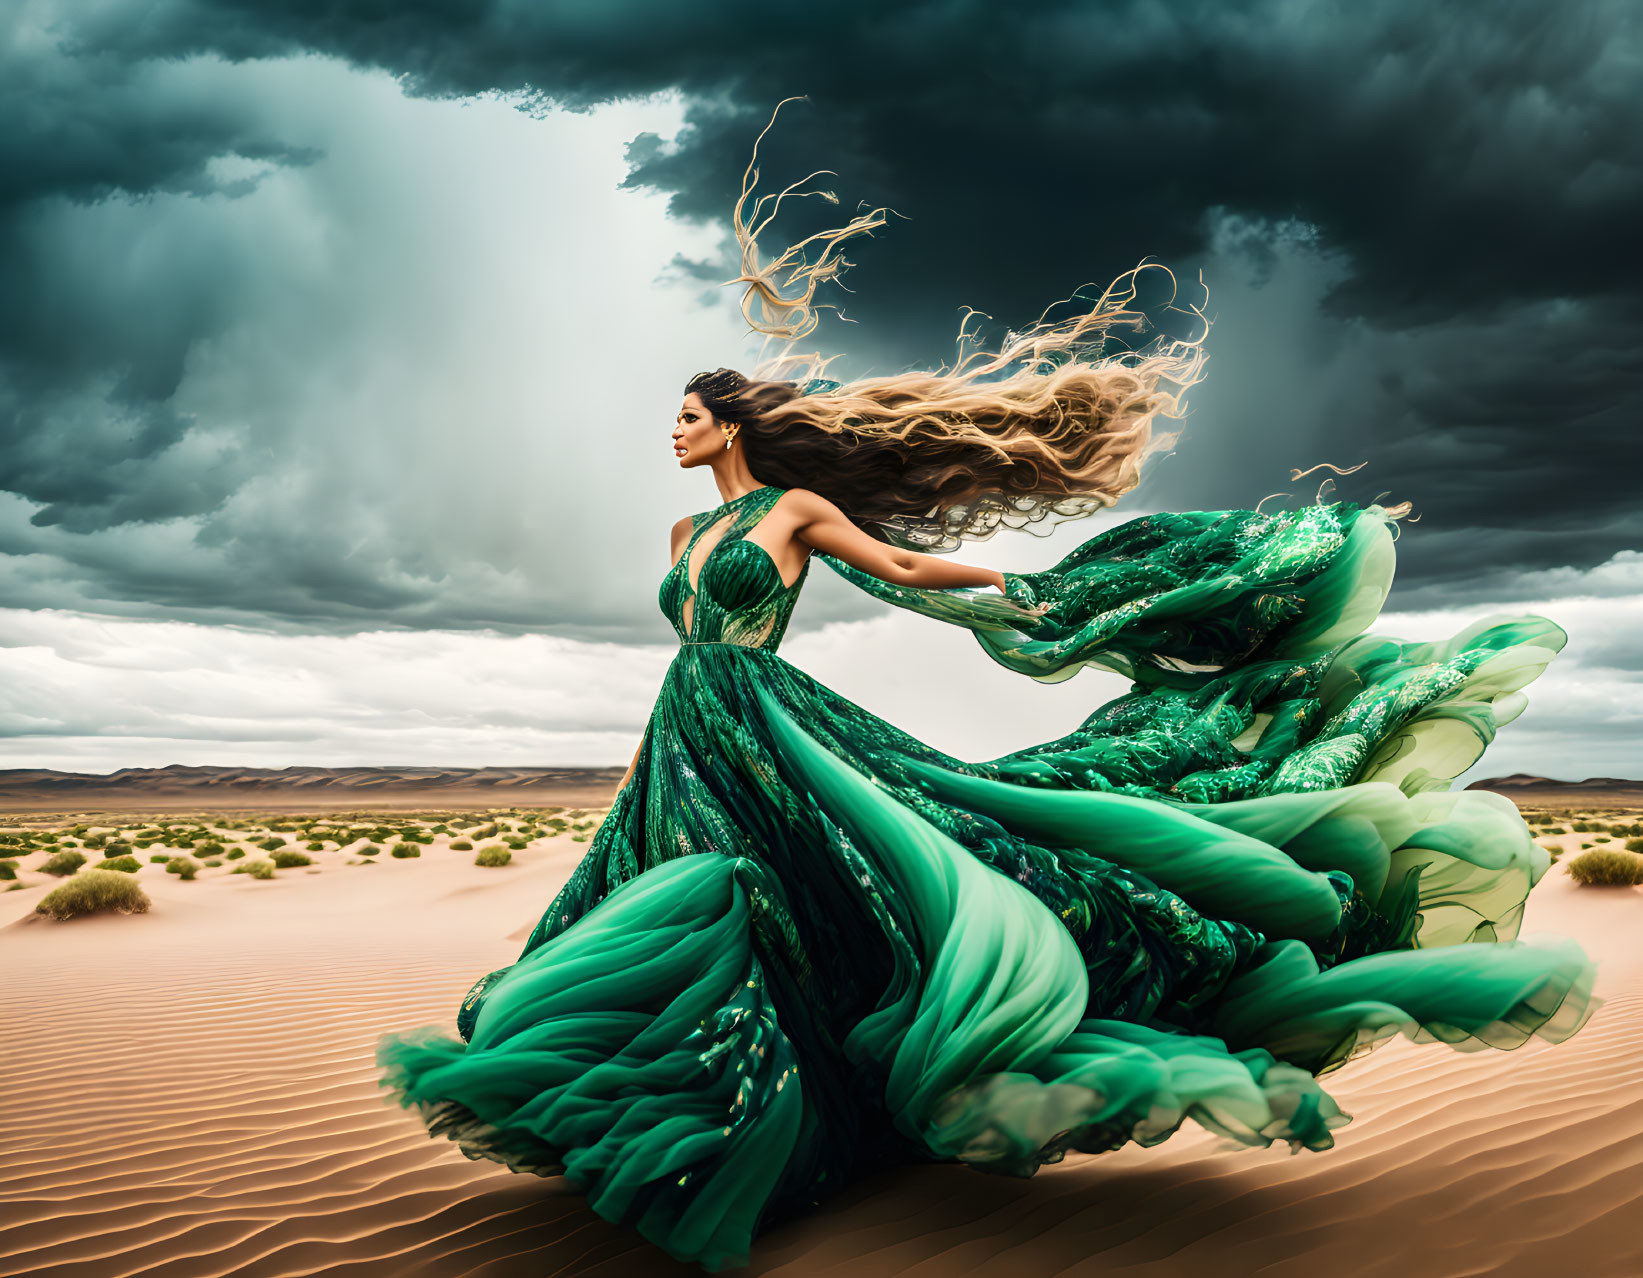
(804, 943)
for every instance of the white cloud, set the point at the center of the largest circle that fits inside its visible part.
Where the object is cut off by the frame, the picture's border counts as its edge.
(87, 693)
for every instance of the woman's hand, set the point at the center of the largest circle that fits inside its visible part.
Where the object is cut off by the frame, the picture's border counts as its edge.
(1031, 614)
(1021, 593)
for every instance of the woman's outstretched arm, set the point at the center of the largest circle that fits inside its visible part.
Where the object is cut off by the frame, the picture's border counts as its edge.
(822, 526)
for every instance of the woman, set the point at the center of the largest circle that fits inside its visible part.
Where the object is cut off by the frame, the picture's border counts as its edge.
(804, 943)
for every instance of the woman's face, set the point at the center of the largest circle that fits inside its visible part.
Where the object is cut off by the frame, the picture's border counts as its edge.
(696, 435)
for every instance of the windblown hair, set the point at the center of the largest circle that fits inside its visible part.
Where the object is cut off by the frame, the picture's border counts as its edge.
(1046, 428)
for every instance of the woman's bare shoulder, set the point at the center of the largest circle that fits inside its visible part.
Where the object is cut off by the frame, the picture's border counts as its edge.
(807, 505)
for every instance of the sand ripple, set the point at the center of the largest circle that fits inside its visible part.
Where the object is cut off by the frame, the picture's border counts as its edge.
(193, 1093)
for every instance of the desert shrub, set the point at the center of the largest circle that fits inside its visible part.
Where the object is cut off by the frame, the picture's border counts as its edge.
(461, 845)
(209, 848)
(258, 869)
(184, 867)
(578, 838)
(492, 854)
(63, 863)
(484, 832)
(405, 850)
(124, 864)
(316, 846)
(1634, 845)
(159, 858)
(290, 857)
(95, 840)
(93, 891)
(1607, 867)
(370, 849)
(8, 870)
(270, 845)
(518, 845)
(234, 854)
(116, 847)
(441, 829)
(211, 863)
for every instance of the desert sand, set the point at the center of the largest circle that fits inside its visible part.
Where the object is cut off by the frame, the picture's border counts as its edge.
(191, 1091)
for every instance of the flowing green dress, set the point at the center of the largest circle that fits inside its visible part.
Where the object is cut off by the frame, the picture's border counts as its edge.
(804, 943)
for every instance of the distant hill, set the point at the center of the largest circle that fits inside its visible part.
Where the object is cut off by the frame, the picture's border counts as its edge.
(1523, 787)
(317, 789)
(329, 788)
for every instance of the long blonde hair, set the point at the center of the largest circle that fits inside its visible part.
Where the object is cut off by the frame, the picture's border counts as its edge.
(1047, 428)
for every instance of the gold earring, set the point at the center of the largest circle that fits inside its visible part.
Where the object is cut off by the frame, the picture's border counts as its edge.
(730, 434)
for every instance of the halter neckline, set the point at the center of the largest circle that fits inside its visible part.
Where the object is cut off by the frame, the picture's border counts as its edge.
(751, 492)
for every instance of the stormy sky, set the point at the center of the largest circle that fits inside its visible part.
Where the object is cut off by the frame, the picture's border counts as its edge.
(339, 344)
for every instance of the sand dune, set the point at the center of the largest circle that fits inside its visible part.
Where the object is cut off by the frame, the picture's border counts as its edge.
(191, 1092)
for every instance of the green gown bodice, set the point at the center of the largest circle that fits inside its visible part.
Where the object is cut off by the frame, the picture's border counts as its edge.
(804, 943)
(739, 596)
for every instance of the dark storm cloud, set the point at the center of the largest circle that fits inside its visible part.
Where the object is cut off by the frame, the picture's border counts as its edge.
(1476, 172)
(1462, 156)
(86, 368)
(84, 122)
